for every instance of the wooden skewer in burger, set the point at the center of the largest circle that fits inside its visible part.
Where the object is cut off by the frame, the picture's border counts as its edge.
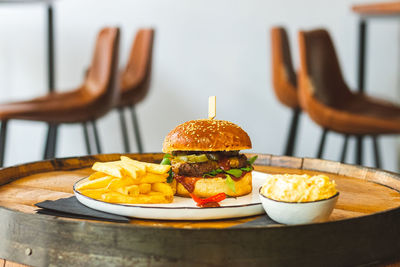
(205, 158)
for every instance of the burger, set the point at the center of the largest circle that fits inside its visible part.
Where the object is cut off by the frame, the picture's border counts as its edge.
(205, 159)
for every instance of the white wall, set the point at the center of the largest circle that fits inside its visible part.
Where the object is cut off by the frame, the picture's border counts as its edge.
(202, 48)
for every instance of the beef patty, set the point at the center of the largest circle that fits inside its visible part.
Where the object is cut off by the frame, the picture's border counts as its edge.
(198, 169)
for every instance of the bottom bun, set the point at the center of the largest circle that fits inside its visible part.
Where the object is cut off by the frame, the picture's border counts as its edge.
(207, 187)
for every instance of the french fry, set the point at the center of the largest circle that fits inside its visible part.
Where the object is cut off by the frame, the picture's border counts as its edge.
(173, 185)
(115, 197)
(119, 182)
(96, 175)
(111, 168)
(159, 195)
(129, 181)
(133, 190)
(94, 193)
(162, 188)
(96, 184)
(153, 199)
(144, 188)
(153, 193)
(129, 171)
(157, 168)
(150, 167)
(134, 163)
(132, 170)
(151, 178)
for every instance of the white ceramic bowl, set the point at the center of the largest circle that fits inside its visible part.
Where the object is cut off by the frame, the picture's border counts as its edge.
(298, 212)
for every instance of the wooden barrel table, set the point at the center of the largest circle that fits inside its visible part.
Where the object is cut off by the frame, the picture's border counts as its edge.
(363, 229)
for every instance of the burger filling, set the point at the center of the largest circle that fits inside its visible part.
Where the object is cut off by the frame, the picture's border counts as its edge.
(209, 164)
(190, 166)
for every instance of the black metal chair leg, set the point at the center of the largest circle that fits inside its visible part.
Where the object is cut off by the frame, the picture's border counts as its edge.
(50, 48)
(359, 150)
(376, 152)
(53, 143)
(322, 144)
(86, 135)
(46, 147)
(3, 135)
(96, 137)
(124, 129)
(362, 37)
(291, 140)
(49, 149)
(344, 150)
(136, 129)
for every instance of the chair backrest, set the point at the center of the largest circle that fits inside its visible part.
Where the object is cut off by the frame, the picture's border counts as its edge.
(135, 79)
(101, 80)
(319, 66)
(283, 74)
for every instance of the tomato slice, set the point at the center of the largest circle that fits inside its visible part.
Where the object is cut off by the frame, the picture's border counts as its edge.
(201, 201)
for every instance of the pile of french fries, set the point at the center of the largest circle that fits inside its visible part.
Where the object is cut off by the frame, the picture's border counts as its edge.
(128, 181)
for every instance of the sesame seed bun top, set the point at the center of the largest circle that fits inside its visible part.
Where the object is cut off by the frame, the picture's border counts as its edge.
(206, 135)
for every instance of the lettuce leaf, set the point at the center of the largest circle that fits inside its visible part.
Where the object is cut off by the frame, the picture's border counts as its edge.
(246, 169)
(235, 172)
(252, 160)
(166, 161)
(213, 173)
(230, 183)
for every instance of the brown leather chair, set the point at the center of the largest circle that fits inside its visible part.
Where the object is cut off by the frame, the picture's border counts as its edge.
(93, 99)
(285, 81)
(329, 102)
(135, 82)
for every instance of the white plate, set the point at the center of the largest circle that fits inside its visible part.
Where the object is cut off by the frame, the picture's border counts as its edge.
(184, 208)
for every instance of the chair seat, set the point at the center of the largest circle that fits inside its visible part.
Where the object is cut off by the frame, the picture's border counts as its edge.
(358, 115)
(372, 106)
(61, 107)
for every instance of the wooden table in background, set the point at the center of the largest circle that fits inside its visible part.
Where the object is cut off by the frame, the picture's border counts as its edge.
(367, 12)
(351, 238)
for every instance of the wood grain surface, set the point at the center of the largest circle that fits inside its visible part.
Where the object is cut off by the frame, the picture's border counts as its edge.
(358, 197)
(13, 264)
(363, 191)
(385, 8)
